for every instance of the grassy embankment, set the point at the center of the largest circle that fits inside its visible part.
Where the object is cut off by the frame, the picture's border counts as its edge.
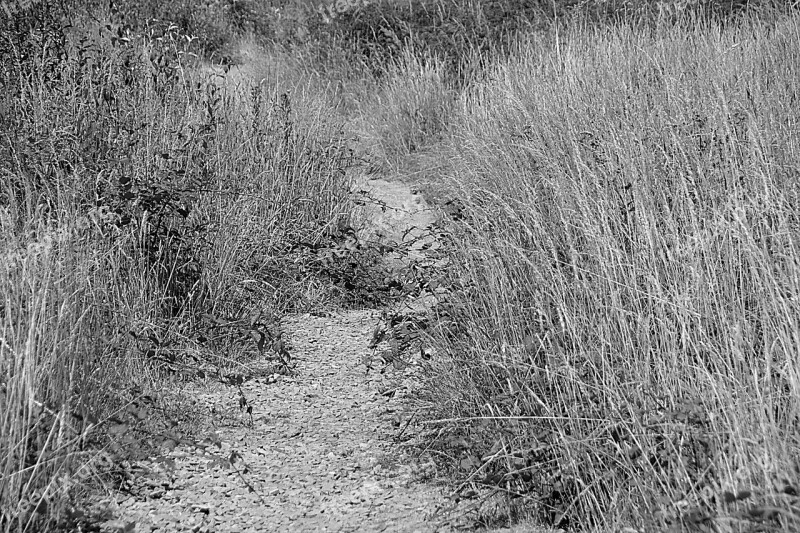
(624, 343)
(621, 341)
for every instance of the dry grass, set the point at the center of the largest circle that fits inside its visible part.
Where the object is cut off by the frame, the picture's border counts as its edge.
(408, 112)
(625, 319)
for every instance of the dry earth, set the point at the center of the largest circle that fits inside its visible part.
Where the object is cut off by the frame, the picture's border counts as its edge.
(319, 455)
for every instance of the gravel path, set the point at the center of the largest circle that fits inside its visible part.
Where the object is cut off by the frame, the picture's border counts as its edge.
(320, 454)
(321, 449)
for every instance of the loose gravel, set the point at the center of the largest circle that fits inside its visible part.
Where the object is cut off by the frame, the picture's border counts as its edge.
(321, 452)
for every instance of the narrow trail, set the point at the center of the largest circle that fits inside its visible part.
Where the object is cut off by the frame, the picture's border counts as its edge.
(319, 455)
(323, 449)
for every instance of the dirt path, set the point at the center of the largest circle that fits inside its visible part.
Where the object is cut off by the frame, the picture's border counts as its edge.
(320, 454)
(394, 213)
(322, 450)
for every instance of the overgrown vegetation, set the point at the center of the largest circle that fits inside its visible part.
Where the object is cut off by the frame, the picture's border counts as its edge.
(623, 339)
(619, 345)
(142, 206)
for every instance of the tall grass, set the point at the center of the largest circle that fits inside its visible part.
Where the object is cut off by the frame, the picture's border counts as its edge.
(408, 111)
(138, 198)
(623, 346)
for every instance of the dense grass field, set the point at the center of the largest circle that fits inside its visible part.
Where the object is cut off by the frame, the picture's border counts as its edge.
(628, 311)
(620, 344)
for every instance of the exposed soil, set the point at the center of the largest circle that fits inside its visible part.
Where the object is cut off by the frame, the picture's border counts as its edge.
(320, 453)
(321, 449)
(393, 213)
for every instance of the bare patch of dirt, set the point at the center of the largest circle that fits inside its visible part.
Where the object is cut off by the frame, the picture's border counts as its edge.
(318, 451)
(394, 214)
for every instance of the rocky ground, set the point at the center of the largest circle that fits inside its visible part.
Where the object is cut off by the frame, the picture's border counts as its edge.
(320, 453)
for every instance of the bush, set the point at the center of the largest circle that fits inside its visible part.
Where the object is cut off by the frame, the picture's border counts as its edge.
(379, 34)
(465, 35)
